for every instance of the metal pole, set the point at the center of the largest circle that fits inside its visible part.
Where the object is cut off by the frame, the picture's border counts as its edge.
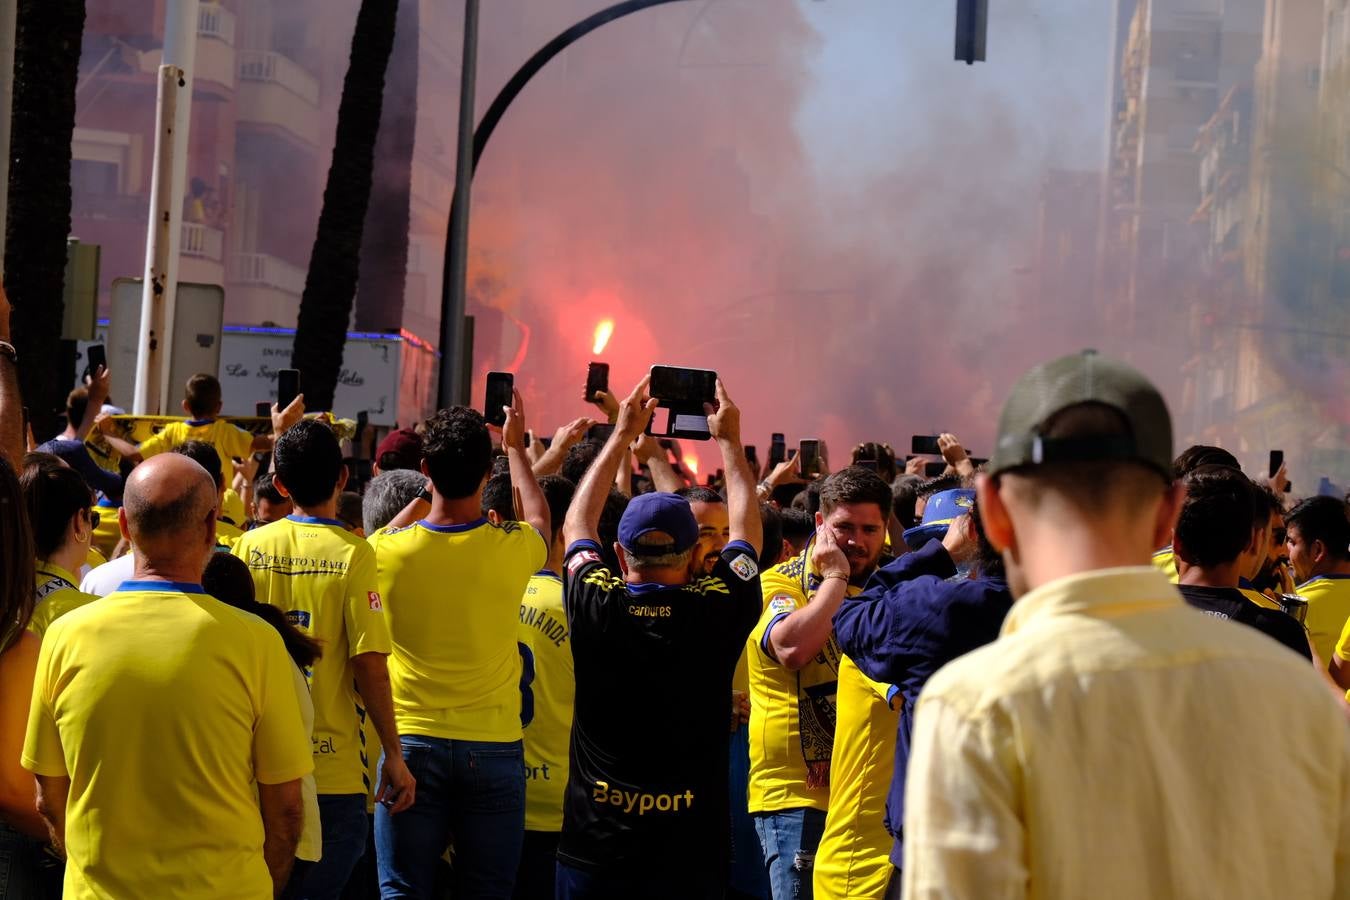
(9, 10)
(454, 385)
(173, 118)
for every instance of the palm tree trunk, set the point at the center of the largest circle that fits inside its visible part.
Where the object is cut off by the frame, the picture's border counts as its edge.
(46, 68)
(330, 284)
(384, 246)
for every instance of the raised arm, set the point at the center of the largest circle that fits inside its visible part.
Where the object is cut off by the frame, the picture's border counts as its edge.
(797, 637)
(533, 506)
(564, 439)
(742, 501)
(649, 452)
(99, 384)
(283, 817)
(583, 516)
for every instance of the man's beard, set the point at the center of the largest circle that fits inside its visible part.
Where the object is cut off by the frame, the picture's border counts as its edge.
(861, 565)
(710, 562)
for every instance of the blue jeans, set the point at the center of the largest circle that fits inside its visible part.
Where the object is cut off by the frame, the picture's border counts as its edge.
(790, 838)
(468, 792)
(344, 823)
(578, 884)
(747, 857)
(27, 870)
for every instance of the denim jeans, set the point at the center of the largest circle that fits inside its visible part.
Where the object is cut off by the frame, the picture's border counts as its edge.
(27, 870)
(790, 838)
(690, 884)
(748, 878)
(471, 793)
(344, 822)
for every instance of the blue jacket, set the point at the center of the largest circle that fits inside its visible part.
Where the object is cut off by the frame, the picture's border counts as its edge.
(909, 622)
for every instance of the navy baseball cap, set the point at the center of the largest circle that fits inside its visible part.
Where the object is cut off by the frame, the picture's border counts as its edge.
(665, 513)
(941, 510)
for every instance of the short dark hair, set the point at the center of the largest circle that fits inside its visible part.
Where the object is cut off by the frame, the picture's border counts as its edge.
(458, 451)
(1198, 455)
(77, 403)
(499, 498)
(580, 457)
(700, 494)
(615, 504)
(772, 521)
(308, 460)
(930, 486)
(202, 395)
(855, 485)
(558, 493)
(798, 525)
(881, 454)
(264, 488)
(904, 495)
(988, 561)
(53, 495)
(228, 580)
(1323, 519)
(1215, 523)
(205, 455)
(349, 509)
(1265, 504)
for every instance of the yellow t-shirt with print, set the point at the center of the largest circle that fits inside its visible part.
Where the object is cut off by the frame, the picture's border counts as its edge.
(323, 578)
(454, 597)
(1328, 599)
(227, 535)
(164, 707)
(778, 762)
(57, 594)
(547, 701)
(853, 859)
(230, 441)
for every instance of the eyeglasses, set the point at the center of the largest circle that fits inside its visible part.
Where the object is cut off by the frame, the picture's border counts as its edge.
(93, 518)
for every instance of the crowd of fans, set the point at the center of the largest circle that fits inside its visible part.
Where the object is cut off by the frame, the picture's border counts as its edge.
(507, 667)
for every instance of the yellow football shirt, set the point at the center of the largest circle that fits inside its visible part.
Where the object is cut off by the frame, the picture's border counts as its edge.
(778, 764)
(57, 594)
(323, 578)
(547, 700)
(853, 859)
(164, 707)
(1260, 599)
(108, 533)
(1165, 561)
(227, 535)
(1328, 599)
(454, 597)
(230, 441)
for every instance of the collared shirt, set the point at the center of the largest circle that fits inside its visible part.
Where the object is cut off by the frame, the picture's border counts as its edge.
(1328, 599)
(1114, 742)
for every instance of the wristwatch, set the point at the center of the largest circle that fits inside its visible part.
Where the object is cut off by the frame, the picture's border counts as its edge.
(8, 352)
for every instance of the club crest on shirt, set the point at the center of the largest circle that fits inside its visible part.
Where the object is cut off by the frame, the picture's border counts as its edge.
(782, 603)
(375, 603)
(744, 567)
(580, 559)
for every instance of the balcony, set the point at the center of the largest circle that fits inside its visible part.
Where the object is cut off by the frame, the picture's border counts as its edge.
(215, 21)
(215, 61)
(262, 289)
(278, 96)
(201, 242)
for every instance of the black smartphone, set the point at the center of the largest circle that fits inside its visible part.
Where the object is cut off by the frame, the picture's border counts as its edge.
(288, 387)
(808, 458)
(547, 442)
(597, 380)
(599, 434)
(683, 393)
(777, 450)
(500, 388)
(262, 409)
(97, 355)
(924, 445)
(1276, 460)
(752, 456)
(934, 469)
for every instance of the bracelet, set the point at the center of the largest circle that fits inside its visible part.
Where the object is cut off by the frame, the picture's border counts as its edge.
(826, 576)
(8, 352)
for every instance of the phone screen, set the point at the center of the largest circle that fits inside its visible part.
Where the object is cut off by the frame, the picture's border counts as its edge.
(288, 387)
(924, 445)
(97, 356)
(262, 409)
(499, 388)
(1276, 460)
(808, 459)
(675, 386)
(934, 469)
(777, 449)
(597, 380)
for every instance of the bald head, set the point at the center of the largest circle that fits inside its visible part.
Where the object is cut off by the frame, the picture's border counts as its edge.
(169, 496)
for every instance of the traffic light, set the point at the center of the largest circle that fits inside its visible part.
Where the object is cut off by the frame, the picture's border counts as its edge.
(972, 18)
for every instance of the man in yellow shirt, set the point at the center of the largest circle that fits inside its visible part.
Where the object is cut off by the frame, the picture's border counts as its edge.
(60, 510)
(453, 582)
(323, 578)
(794, 664)
(202, 402)
(1318, 540)
(164, 729)
(1067, 759)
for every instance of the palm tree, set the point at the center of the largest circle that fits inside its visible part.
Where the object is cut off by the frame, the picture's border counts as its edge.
(384, 246)
(330, 285)
(46, 69)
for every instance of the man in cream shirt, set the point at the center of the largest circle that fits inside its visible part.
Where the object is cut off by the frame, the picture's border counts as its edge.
(1115, 742)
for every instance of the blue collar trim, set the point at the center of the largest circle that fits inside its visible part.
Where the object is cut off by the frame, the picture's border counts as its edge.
(194, 423)
(548, 573)
(1327, 577)
(163, 587)
(646, 587)
(453, 529)
(314, 520)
